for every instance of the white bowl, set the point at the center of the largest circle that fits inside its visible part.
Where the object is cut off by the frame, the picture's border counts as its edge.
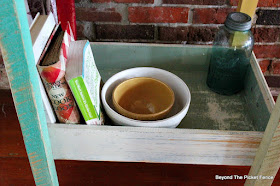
(179, 109)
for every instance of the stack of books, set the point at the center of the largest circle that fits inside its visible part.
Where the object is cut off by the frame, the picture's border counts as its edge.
(57, 56)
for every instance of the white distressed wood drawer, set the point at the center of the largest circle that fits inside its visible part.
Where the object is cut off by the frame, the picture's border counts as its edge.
(221, 130)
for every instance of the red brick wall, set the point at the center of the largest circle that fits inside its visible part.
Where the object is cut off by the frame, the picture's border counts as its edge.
(179, 21)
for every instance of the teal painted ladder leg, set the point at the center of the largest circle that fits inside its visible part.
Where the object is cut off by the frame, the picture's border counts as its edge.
(15, 42)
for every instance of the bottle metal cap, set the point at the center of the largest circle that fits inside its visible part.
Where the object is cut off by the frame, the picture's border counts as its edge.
(238, 21)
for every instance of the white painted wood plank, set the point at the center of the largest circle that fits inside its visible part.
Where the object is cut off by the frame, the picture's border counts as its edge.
(267, 160)
(262, 83)
(133, 144)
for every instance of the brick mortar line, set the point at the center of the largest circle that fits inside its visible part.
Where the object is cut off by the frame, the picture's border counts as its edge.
(179, 24)
(153, 5)
(190, 16)
(207, 25)
(163, 24)
(158, 2)
(275, 90)
(84, 5)
(156, 33)
(199, 6)
(112, 4)
(268, 8)
(266, 26)
(155, 24)
(181, 6)
(175, 24)
(268, 58)
(103, 5)
(123, 11)
(271, 75)
(111, 23)
(267, 43)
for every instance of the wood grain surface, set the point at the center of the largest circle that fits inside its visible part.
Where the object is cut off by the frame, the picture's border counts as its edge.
(157, 145)
(16, 48)
(15, 169)
(267, 159)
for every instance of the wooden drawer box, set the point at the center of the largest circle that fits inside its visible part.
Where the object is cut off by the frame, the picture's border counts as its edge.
(222, 130)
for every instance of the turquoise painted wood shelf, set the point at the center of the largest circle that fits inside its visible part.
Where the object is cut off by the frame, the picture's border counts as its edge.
(19, 62)
(217, 130)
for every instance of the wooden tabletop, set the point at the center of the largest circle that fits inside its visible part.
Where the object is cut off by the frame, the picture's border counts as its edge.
(15, 169)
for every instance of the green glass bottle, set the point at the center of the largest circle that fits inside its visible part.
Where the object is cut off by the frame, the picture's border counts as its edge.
(231, 53)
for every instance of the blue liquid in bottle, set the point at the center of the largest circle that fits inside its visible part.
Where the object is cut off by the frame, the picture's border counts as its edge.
(227, 70)
(230, 59)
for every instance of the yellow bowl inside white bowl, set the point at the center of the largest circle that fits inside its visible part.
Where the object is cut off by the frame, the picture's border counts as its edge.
(180, 89)
(143, 98)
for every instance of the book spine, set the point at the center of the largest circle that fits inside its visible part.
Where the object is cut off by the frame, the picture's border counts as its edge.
(47, 104)
(59, 93)
(51, 7)
(29, 17)
(43, 37)
(83, 100)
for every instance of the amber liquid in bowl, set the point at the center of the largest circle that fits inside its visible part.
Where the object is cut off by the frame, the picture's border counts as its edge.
(144, 96)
